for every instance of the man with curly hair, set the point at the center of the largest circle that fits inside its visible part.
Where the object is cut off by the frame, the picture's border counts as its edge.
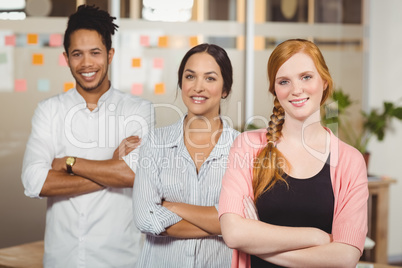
(73, 156)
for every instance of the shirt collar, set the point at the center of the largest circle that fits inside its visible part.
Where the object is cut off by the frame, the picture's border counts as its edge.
(221, 148)
(105, 96)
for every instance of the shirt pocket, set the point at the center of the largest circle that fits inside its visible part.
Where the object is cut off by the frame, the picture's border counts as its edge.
(173, 192)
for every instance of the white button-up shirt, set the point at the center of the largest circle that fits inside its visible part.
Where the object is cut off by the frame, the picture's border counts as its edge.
(166, 171)
(94, 229)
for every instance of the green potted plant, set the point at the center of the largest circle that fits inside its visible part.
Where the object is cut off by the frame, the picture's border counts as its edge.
(374, 123)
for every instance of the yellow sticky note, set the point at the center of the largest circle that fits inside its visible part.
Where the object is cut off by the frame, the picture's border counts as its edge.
(68, 86)
(160, 88)
(32, 39)
(193, 41)
(136, 63)
(163, 41)
(37, 59)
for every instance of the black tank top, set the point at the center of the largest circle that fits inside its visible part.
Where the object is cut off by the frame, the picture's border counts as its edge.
(307, 203)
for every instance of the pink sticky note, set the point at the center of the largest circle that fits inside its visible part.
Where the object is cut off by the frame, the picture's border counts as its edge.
(62, 60)
(55, 40)
(137, 89)
(20, 85)
(10, 40)
(158, 63)
(144, 40)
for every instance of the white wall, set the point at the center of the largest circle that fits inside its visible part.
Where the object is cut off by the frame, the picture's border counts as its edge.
(384, 84)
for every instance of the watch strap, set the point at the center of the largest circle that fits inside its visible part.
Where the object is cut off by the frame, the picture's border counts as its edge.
(70, 164)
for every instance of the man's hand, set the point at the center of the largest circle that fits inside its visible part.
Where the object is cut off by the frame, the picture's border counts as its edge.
(59, 164)
(126, 146)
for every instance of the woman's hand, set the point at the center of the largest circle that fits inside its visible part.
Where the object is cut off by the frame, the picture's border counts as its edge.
(169, 205)
(250, 210)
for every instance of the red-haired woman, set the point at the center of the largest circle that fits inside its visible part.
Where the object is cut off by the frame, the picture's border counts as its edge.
(293, 194)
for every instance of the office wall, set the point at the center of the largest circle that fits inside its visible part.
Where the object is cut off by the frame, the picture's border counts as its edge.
(22, 219)
(384, 85)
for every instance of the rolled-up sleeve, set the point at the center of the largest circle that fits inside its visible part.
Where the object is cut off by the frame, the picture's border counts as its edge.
(237, 181)
(149, 215)
(39, 152)
(351, 191)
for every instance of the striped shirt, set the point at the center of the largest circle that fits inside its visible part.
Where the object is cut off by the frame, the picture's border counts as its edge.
(166, 171)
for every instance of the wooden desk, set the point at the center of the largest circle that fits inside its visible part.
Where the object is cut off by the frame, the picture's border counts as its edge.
(378, 219)
(26, 255)
(31, 255)
(374, 265)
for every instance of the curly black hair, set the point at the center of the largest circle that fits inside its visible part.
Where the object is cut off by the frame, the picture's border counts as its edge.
(91, 18)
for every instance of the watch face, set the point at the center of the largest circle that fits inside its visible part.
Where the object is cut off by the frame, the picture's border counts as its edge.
(70, 161)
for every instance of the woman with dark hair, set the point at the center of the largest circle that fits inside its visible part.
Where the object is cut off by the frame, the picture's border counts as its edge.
(300, 200)
(180, 170)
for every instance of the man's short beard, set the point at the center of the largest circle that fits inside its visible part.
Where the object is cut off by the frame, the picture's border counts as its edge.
(89, 89)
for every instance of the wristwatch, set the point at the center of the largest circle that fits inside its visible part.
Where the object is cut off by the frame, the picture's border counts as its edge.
(70, 161)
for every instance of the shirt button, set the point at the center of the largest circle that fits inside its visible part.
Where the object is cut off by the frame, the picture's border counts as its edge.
(82, 239)
(91, 117)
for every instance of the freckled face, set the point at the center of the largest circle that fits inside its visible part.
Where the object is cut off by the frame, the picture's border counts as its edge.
(202, 86)
(299, 87)
(89, 60)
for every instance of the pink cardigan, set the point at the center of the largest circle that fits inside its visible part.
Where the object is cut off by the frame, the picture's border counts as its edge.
(349, 182)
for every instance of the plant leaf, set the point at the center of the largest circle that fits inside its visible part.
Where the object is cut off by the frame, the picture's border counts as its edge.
(397, 112)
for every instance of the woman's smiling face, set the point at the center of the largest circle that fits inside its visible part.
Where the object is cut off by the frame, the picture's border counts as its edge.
(299, 87)
(202, 85)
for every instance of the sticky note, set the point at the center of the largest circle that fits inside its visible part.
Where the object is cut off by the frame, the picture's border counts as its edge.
(3, 58)
(37, 59)
(55, 40)
(193, 41)
(162, 41)
(32, 39)
(158, 63)
(68, 86)
(20, 85)
(160, 88)
(9, 40)
(62, 60)
(136, 63)
(137, 89)
(43, 85)
(144, 40)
